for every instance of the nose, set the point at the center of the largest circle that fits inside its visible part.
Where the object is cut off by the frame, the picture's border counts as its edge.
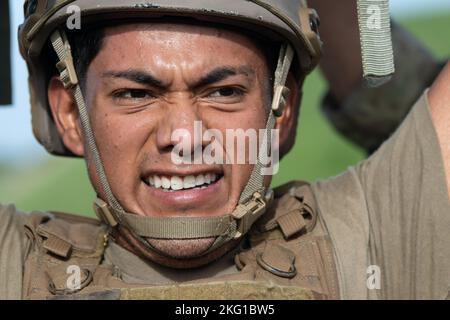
(181, 130)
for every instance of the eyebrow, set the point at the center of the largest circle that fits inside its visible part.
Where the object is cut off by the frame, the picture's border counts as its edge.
(146, 78)
(222, 73)
(134, 75)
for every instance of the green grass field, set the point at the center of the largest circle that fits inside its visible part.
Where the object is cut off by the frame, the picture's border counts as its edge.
(62, 185)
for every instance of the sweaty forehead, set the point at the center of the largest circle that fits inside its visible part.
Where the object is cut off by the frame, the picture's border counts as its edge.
(178, 32)
(178, 43)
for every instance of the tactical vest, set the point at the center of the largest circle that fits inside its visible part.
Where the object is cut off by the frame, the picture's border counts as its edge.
(286, 255)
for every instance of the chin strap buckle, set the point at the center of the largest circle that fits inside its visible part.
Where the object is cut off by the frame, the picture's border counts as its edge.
(101, 208)
(65, 66)
(280, 99)
(246, 214)
(67, 72)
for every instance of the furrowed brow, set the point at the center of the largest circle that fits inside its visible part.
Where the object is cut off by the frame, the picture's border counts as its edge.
(222, 73)
(138, 76)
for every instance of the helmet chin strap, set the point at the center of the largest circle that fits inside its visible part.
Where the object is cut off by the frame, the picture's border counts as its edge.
(252, 202)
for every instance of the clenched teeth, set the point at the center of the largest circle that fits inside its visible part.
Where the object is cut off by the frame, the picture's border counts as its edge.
(176, 183)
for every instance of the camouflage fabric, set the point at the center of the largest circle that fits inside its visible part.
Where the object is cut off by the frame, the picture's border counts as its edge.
(370, 115)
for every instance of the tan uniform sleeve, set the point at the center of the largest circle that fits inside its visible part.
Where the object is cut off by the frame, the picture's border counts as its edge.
(392, 211)
(12, 248)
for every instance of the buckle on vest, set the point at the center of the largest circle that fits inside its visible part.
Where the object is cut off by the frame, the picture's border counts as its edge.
(101, 208)
(61, 288)
(277, 260)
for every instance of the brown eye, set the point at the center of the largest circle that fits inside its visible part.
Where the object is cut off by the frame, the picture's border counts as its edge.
(226, 92)
(135, 94)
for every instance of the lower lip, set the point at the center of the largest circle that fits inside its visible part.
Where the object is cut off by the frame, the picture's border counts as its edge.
(191, 197)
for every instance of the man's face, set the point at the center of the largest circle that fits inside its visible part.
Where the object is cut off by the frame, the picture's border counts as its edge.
(149, 80)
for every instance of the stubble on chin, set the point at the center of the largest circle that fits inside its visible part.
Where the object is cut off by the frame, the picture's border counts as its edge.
(182, 249)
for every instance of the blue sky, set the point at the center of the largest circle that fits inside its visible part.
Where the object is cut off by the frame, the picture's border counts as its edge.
(17, 144)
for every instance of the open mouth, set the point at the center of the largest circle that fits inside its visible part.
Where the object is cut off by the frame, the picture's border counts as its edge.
(179, 183)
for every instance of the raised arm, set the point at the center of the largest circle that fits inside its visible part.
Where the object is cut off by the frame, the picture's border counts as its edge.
(339, 32)
(368, 116)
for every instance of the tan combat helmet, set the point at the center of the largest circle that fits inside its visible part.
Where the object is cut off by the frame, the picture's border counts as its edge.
(288, 22)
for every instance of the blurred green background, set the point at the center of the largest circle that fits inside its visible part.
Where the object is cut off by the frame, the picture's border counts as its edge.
(61, 184)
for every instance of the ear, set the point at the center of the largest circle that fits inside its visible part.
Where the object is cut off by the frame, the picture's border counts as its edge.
(287, 123)
(65, 115)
